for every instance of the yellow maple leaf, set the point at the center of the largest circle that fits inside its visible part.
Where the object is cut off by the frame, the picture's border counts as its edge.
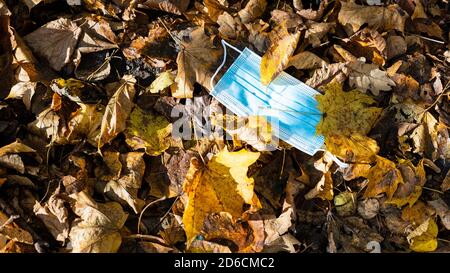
(384, 177)
(355, 148)
(345, 113)
(276, 58)
(148, 131)
(220, 186)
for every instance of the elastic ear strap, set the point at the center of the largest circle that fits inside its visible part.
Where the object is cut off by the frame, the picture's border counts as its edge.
(224, 44)
(336, 160)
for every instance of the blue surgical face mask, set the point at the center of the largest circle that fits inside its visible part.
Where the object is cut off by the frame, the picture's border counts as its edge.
(286, 102)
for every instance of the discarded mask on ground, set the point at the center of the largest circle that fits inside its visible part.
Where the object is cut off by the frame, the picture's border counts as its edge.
(287, 103)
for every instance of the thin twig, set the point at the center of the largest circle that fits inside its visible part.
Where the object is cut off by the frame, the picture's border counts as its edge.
(145, 208)
(431, 189)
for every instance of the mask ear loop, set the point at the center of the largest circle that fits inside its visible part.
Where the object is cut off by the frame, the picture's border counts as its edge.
(224, 45)
(336, 160)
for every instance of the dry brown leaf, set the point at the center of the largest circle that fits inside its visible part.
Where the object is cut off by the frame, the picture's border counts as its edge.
(222, 226)
(442, 211)
(428, 27)
(228, 25)
(367, 77)
(54, 215)
(118, 109)
(337, 72)
(172, 6)
(203, 246)
(257, 35)
(314, 14)
(342, 55)
(97, 35)
(445, 186)
(253, 10)
(395, 46)
(414, 179)
(306, 60)
(378, 18)
(368, 43)
(291, 19)
(323, 188)
(59, 44)
(97, 229)
(315, 32)
(368, 208)
(84, 124)
(124, 189)
(215, 9)
(196, 62)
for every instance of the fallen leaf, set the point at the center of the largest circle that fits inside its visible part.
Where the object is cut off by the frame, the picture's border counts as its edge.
(97, 229)
(202, 246)
(445, 186)
(355, 148)
(423, 238)
(345, 113)
(164, 80)
(23, 91)
(54, 215)
(414, 179)
(148, 131)
(252, 10)
(172, 6)
(384, 177)
(314, 14)
(61, 38)
(276, 58)
(12, 231)
(442, 211)
(228, 25)
(215, 9)
(335, 72)
(306, 60)
(222, 226)
(378, 18)
(368, 208)
(10, 158)
(368, 43)
(323, 188)
(280, 17)
(118, 109)
(254, 130)
(425, 137)
(125, 188)
(428, 27)
(84, 124)
(395, 46)
(366, 77)
(447, 56)
(345, 203)
(317, 31)
(97, 36)
(196, 61)
(221, 186)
